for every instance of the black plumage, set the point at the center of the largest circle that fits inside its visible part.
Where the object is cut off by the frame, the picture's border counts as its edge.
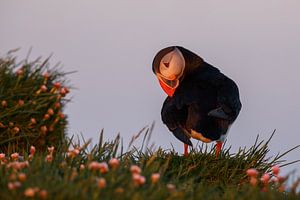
(205, 101)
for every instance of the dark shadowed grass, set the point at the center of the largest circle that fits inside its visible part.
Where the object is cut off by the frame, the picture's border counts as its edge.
(201, 175)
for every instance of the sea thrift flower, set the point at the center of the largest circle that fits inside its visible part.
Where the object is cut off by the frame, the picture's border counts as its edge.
(49, 158)
(103, 167)
(2, 125)
(43, 88)
(51, 150)
(13, 185)
(61, 115)
(14, 156)
(29, 192)
(22, 177)
(114, 163)
(82, 167)
(4, 103)
(101, 182)
(46, 116)
(73, 153)
(20, 72)
(63, 92)
(265, 178)
(171, 187)
(16, 130)
(33, 121)
(57, 85)
(21, 102)
(46, 75)
(138, 179)
(134, 169)
(32, 150)
(57, 105)
(275, 170)
(155, 177)
(94, 165)
(252, 172)
(44, 129)
(2, 156)
(50, 111)
(43, 194)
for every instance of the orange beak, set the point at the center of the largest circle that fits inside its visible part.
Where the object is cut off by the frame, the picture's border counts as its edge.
(170, 91)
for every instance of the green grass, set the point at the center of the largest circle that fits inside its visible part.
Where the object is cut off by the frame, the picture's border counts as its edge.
(201, 175)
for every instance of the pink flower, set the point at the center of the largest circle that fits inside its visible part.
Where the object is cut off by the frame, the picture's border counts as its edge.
(275, 170)
(57, 85)
(73, 153)
(101, 182)
(22, 177)
(50, 111)
(49, 158)
(51, 150)
(82, 167)
(14, 156)
(43, 88)
(61, 115)
(2, 156)
(32, 150)
(4, 103)
(43, 194)
(57, 105)
(171, 187)
(252, 172)
(265, 178)
(138, 179)
(44, 129)
(33, 121)
(20, 72)
(46, 116)
(29, 192)
(155, 177)
(114, 163)
(94, 165)
(63, 92)
(21, 102)
(46, 75)
(16, 129)
(13, 185)
(103, 167)
(135, 169)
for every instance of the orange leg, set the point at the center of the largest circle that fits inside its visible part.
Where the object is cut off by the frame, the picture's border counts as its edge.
(218, 148)
(186, 152)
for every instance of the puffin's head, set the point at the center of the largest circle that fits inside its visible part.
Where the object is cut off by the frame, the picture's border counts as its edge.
(171, 64)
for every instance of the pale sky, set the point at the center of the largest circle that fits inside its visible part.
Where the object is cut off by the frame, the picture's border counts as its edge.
(112, 43)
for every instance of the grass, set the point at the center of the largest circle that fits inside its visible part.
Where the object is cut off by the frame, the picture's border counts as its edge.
(201, 175)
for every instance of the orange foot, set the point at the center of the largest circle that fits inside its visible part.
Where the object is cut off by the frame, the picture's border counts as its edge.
(186, 152)
(218, 148)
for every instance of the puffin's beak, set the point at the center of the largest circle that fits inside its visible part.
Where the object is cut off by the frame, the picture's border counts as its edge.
(170, 91)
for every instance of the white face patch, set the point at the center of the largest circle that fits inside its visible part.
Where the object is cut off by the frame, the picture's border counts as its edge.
(172, 65)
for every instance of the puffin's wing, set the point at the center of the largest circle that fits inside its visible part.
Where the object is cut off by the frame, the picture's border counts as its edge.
(228, 98)
(175, 119)
(180, 135)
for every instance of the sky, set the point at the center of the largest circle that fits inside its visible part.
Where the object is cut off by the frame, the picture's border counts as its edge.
(111, 45)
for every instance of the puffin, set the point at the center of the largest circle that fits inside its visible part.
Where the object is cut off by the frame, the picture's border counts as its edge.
(202, 103)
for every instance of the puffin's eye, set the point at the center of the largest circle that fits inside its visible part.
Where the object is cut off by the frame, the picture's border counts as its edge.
(166, 64)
